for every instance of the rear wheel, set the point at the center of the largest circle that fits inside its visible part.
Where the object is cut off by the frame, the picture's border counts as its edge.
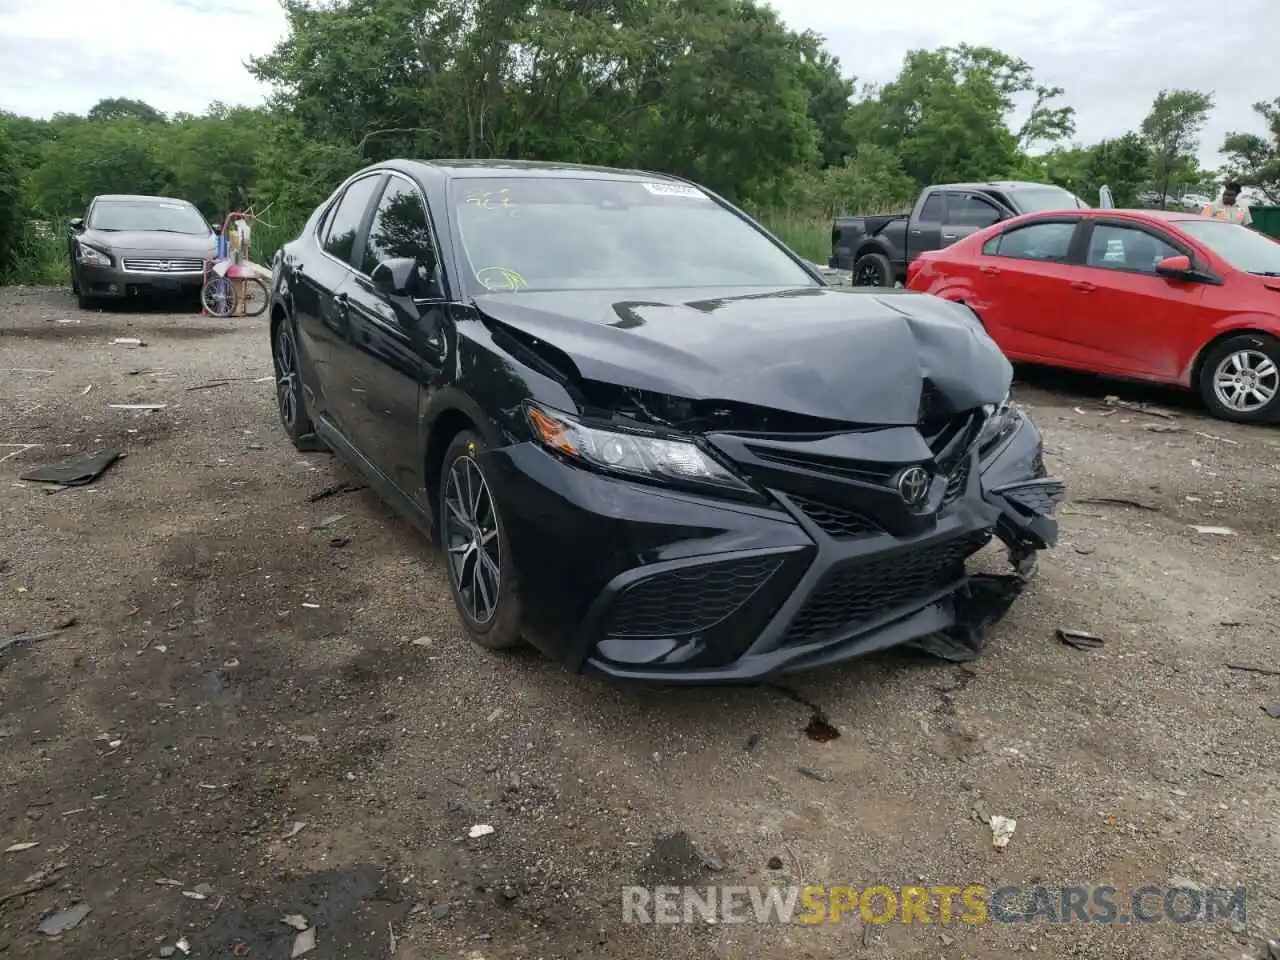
(481, 571)
(254, 297)
(872, 270)
(1240, 379)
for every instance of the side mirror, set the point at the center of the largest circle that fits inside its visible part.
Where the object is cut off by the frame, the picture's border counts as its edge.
(77, 224)
(1175, 268)
(405, 277)
(396, 278)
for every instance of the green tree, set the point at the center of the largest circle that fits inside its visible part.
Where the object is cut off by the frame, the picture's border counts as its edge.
(87, 158)
(947, 113)
(1255, 160)
(10, 202)
(1172, 130)
(123, 108)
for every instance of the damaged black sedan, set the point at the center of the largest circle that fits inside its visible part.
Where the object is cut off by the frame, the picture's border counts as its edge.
(651, 440)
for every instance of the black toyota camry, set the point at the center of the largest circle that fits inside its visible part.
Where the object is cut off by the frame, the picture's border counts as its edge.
(650, 439)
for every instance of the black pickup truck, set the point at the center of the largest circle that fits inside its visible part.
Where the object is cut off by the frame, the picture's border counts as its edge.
(878, 249)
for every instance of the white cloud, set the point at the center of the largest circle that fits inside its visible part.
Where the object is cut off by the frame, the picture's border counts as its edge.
(65, 55)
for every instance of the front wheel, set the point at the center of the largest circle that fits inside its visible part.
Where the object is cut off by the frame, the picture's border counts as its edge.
(219, 297)
(1240, 379)
(481, 570)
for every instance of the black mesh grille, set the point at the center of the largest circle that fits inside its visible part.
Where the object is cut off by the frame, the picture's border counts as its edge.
(956, 484)
(849, 595)
(835, 521)
(678, 603)
(1038, 468)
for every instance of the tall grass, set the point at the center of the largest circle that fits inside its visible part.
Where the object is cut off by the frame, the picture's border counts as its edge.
(42, 255)
(807, 234)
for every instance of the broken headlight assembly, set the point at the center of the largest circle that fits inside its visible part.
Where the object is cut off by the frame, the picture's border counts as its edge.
(1001, 420)
(642, 456)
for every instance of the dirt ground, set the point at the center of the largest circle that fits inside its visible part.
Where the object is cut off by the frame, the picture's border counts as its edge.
(244, 661)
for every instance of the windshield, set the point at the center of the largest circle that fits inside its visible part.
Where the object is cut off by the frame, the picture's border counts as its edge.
(558, 233)
(147, 215)
(1039, 199)
(1241, 247)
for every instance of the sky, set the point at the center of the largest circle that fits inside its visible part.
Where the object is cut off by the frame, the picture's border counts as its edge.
(1112, 58)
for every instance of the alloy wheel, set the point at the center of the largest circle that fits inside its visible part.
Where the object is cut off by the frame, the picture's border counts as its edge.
(286, 377)
(868, 275)
(1246, 381)
(474, 549)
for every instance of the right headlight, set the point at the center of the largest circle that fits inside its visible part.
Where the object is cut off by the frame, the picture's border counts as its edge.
(641, 455)
(1001, 418)
(92, 256)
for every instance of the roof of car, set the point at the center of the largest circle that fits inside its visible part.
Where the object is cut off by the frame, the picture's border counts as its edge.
(1000, 185)
(1168, 216)
(453, 169)
(139, 198)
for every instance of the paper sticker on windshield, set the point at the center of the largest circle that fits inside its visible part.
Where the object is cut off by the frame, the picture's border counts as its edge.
(676, 190)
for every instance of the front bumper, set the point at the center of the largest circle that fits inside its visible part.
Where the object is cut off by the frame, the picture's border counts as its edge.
(113, 282)
(640, 583)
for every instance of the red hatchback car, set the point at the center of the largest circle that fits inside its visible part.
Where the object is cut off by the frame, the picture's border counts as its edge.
(1147, 295)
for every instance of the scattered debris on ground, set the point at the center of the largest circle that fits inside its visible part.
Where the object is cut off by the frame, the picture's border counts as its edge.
(1002, 830)
(1252, 668)
(1079, 639)
(21, 639)
(1213, 531)
(336, 489)
(74, 473)
(56, 924)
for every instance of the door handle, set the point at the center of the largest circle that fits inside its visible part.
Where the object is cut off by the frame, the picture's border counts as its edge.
(950, 236)
(1084, 286)
(915, 233)
(989, 271)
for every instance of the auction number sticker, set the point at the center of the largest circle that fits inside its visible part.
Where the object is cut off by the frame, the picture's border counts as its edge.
(676, 190)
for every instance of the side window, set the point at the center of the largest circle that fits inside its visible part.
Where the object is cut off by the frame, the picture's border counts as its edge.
(399, 229)
(340, 238)
(934, 209)
(1127, 248)
(966, 210)
(1035, 241)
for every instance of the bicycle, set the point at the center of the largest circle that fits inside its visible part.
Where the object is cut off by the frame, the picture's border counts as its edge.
(237, 290)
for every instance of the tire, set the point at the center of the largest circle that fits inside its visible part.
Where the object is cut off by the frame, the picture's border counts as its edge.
(468, 537)
(75, 280)
(1230, 367)
(872, 270)
(291, 401)
(255, 296)
(219, 298)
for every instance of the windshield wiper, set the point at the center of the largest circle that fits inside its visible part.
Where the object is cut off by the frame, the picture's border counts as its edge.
(1265, 273)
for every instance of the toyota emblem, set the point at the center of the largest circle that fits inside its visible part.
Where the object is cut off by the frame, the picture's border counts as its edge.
(913, 486)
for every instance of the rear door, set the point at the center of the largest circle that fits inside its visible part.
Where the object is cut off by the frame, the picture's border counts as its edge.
(397, 343)
(1020, 285)
(924, 229)
(1125, 318)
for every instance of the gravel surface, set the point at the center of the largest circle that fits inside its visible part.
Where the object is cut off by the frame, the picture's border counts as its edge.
(264, 706)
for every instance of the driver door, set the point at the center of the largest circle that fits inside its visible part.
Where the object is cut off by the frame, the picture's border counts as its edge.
(397, 346)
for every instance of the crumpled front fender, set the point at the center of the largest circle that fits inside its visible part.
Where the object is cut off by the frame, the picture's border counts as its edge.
(1014, 481)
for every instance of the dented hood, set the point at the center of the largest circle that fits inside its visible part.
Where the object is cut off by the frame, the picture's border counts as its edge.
(858, 355)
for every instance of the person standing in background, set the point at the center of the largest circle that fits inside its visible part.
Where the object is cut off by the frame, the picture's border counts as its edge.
(1228, 209)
